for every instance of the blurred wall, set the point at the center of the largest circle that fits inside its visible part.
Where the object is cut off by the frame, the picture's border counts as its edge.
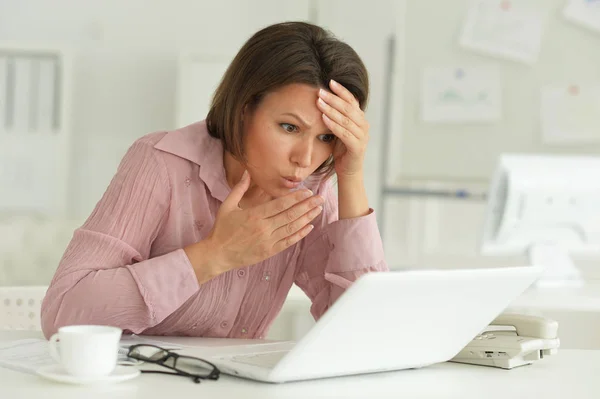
(125, 63)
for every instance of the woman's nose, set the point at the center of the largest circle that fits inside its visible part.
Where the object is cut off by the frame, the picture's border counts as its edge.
(302, 155)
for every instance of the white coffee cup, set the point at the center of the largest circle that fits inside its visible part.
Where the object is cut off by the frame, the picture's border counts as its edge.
(86, 350)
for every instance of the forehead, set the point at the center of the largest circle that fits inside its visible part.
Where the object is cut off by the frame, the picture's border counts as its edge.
(295, 99)
(296, 95)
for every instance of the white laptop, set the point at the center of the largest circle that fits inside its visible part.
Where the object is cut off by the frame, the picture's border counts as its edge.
(389, 321)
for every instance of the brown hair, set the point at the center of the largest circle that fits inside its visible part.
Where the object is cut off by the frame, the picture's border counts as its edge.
(275, 56)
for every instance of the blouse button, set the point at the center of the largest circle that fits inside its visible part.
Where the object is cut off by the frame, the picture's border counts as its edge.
(244, 331)
(187, 181)
(224, 324)
(241, 273)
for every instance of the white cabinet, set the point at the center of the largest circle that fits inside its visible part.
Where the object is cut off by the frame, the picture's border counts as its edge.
(434, 230)
(443, 232)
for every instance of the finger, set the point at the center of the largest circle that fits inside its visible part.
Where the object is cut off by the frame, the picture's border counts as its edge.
(340, 118)
(351, 111)
(293, 239)
(295, 212)
(349, 140)
(282, 204)
(297, 225)
(344, 93)
(237, 192)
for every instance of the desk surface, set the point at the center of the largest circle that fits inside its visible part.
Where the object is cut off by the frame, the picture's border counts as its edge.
(571, 373)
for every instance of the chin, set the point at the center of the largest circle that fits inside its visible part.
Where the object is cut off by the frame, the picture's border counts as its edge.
(278, 192)
(274, 188)
(271, 189)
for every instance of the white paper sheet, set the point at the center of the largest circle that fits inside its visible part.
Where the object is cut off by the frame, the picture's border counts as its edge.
(461, 94)
(570, 113)
(584, 12)
(28, 355)
(25, 355)
(503, 28)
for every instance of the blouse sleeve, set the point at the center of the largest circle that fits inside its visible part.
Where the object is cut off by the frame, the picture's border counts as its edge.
(336, 253)
(105, 275)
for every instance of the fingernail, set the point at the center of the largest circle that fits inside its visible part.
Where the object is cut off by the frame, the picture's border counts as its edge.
(333, 82)
(321, 102)
(317, 200)
(307, 193)
(322, 93)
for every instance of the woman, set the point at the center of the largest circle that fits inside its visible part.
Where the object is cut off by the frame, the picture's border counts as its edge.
(203, 230)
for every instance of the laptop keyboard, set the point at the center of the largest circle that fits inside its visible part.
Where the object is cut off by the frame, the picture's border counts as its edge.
(266, 360)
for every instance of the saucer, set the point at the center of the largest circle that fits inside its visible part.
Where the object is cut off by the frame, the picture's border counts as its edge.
(56, 372)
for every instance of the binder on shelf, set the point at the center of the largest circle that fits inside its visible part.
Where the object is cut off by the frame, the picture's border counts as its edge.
(3, 93)
(21, 122)
(46, 96)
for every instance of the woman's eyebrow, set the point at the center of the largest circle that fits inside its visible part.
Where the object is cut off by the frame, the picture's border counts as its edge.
(299, 119)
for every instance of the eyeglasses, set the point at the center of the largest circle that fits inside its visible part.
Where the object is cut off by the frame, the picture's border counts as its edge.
(186, 366)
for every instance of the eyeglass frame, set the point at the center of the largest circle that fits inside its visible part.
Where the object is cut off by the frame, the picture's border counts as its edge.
(213, 375)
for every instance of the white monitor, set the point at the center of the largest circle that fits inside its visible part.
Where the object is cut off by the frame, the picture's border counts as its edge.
(547, 207)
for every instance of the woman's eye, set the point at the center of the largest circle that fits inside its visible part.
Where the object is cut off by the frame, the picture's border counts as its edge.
(289, 127)
(327, 138)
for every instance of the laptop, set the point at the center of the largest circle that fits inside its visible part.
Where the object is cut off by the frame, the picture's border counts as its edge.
(388, 321)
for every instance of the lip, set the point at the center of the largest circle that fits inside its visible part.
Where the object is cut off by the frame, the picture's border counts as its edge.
(294, 179)
(291, 181)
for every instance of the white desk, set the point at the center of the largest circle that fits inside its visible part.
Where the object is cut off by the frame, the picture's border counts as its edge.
(570, 374)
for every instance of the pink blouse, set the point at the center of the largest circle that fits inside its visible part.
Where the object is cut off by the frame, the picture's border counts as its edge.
(126, 267)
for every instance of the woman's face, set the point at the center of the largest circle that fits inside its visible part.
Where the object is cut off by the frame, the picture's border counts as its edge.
(286, 139)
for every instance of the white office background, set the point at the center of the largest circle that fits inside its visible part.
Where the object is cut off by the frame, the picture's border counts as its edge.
(89, 77)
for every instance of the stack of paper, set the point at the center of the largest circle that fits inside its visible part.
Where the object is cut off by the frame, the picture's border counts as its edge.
(28, 355)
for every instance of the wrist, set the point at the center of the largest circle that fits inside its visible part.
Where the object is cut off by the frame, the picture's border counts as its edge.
(204, 260)
(355, 178)
(352, 197)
